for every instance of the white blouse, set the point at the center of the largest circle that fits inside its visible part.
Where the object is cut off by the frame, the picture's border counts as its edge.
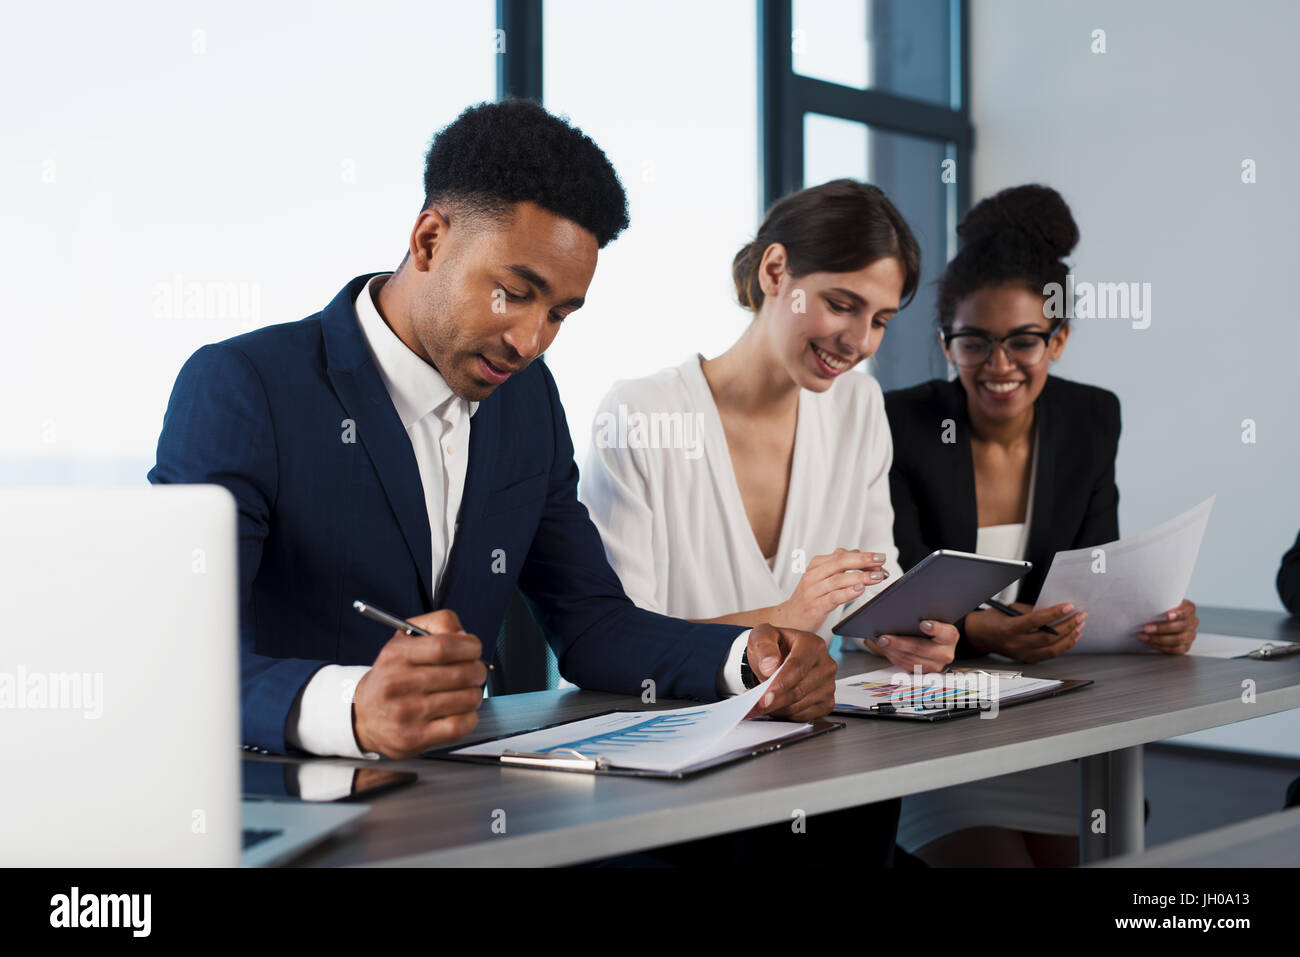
(1003, 541)
(1010, 541)
(660, 486)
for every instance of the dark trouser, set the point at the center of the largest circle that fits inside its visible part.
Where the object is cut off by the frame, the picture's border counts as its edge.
(864, 834)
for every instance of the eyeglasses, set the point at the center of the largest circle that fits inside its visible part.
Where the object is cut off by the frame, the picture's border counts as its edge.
(970, 349)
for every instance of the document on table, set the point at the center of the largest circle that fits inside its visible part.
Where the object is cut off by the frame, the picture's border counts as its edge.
(1122, 585)
(666, 741)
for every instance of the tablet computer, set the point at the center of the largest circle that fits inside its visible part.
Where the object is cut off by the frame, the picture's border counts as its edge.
(943, 586)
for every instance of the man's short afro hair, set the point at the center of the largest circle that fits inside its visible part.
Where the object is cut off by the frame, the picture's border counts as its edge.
(497, 154)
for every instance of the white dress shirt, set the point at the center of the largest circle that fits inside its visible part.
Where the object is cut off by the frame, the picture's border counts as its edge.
(437, 421)
(674, 524)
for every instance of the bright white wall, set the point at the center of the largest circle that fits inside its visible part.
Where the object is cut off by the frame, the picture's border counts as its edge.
(280, 149)
(1146, 143)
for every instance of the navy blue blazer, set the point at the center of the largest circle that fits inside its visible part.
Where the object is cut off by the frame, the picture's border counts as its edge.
(295, 421)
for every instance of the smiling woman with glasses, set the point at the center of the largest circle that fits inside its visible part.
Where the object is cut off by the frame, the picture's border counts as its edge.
(1008, 460)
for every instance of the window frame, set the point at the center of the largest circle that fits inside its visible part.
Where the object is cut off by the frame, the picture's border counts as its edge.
(785, 97)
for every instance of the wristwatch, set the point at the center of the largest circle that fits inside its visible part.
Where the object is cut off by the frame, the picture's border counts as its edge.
(747, 676)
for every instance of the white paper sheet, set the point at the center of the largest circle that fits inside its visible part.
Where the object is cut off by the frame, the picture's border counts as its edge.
(653, 740)
(1144, 576)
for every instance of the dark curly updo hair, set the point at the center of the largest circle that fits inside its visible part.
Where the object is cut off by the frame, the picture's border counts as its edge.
(495, 155)
(840, 226)
(1019, 236)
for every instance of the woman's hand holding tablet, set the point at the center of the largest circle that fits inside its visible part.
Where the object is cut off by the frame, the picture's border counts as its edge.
(932, 652)
(941, 588)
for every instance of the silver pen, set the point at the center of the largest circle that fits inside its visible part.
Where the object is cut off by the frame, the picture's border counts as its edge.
(392, 621)
(384, 618)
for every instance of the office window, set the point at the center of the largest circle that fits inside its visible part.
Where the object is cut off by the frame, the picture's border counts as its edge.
(232, 166)
(905, 47)
(675, 110)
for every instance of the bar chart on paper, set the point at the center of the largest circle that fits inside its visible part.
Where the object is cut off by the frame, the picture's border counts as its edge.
(659, 728)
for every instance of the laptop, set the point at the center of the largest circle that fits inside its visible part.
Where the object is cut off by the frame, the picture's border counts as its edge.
(119, 686)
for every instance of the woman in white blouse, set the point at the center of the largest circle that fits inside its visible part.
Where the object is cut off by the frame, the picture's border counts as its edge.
(754, 487)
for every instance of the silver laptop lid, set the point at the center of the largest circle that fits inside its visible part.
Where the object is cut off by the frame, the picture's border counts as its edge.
(119, 693)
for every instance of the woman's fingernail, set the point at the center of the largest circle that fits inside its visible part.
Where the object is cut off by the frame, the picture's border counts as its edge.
(1069, 608)
(859, 587)
(927, 626)
(882, 640)
(1171, 615)
(1148, 628)
(876, 577)
(877, 557)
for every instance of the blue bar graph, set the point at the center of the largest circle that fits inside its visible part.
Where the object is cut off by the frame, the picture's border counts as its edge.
(659, 728)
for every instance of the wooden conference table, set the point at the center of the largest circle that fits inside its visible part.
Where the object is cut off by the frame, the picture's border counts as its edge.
(461, 814)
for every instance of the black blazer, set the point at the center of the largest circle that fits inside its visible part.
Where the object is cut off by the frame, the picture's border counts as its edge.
(932, 482)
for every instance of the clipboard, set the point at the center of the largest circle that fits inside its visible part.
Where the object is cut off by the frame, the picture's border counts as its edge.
(942, 714)
(575, 762)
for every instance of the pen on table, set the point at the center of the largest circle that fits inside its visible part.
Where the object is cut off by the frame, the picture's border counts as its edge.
(1008, 610)
(392, 621)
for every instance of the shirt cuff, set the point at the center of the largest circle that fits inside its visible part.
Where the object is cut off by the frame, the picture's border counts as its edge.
(323, 723)
(729, 680)
(319, 781)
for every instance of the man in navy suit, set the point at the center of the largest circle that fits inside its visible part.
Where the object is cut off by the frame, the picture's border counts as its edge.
(402, 447)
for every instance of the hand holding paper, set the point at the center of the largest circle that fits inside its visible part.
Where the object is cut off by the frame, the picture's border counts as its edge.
(1173, 632)
(1125, 584)
(805, 688)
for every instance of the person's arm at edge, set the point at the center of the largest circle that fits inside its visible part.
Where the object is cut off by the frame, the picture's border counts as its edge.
(1288, 579)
